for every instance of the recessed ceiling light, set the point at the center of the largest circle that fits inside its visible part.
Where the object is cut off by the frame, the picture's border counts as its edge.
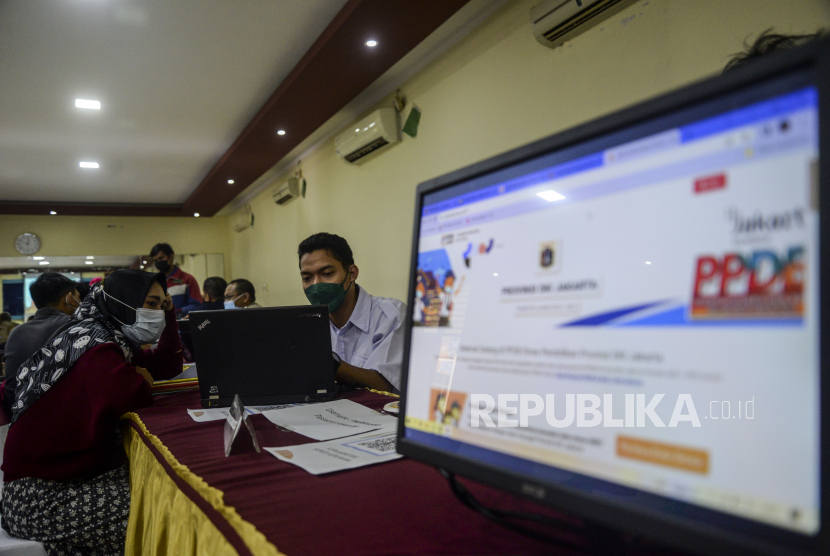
(38, 258)
(90, 257)
(91, 104)
(230, 182)
(371, 43)
(89, 165)
(550, 195)
(52, 212)
(43, 262)
(89, 262)
(281, 132)
(196, 214)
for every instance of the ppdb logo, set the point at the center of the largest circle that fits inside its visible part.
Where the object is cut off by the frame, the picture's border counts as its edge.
(588, 410)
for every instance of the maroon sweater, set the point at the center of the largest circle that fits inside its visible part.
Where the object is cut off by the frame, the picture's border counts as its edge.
(70, 432)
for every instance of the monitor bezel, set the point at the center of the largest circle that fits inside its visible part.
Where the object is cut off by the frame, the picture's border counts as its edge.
(695, 536)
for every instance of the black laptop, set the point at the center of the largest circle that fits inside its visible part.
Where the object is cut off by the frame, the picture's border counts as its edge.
(268, 356)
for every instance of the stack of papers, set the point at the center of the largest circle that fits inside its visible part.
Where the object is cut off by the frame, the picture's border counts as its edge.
(330, 420)
(172, 386)
(370, 437)
(350, 435)
(219, 413)
(347, 453)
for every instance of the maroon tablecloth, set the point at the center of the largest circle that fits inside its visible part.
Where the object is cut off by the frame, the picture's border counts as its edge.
(399, 507)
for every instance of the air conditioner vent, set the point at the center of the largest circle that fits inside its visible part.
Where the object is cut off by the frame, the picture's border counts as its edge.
(243, 219)
(373, 146)
(375, 131)
(556, 21)
(287, 191)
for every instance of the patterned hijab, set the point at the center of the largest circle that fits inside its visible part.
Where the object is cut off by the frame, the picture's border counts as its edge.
(95, 322)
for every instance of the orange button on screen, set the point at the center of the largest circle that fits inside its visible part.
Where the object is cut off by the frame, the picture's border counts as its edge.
(668, 455)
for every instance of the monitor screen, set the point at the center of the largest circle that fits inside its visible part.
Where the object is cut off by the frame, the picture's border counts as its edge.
(633, 316)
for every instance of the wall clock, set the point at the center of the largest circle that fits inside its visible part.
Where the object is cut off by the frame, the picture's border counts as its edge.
(27, 244)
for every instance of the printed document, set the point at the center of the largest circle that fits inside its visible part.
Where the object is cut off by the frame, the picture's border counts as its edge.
(329, 420)
(219, 413)
(347, 453)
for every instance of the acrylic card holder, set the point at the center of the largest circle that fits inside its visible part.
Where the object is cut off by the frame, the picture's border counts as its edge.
(233, 424)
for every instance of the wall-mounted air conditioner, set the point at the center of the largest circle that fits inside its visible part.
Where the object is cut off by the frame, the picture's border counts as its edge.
(378, 129)
(556, 21)
(243, 219)
(288, 190)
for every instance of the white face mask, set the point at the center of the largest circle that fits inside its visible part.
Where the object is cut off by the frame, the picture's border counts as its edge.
(231, 303)
(149, 324)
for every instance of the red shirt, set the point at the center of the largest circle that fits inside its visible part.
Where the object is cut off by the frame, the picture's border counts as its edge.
(184, 289)
(70, 432)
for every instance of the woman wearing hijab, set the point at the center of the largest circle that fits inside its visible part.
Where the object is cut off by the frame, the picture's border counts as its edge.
(66, 473)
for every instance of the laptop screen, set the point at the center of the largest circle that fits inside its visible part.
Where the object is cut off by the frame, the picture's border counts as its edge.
(635, 316)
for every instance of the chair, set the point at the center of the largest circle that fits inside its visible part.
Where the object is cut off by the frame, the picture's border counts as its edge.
(12, 546)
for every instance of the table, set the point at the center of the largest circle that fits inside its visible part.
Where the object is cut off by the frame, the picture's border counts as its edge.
(188, 498)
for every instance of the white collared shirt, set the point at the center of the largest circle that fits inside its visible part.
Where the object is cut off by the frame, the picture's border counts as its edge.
(373, 336)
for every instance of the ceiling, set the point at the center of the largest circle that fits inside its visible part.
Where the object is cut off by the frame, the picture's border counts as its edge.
(192, 93)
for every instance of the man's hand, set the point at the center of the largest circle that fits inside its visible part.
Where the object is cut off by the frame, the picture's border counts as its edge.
(364, 377)
(168, 302)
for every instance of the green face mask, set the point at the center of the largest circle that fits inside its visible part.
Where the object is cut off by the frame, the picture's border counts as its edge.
(324, 293)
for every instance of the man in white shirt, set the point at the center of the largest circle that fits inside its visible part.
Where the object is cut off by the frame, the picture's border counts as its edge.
(366, 331)
(240, 294)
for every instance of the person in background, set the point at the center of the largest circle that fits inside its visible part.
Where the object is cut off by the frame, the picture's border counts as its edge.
(6, 325)
(182, 287)
(56, 298)
(366, 331)
(214, 296)
(240, 294)
(212, 300)
(66, 475)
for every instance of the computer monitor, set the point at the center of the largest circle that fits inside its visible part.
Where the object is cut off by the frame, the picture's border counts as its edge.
(624, 320)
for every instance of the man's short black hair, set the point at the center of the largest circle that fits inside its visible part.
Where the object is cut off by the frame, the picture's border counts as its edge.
(244, 286)
(49, 288)
(215, 287)
(334, 244)
(769, 42)
(5, 317)
(163, 247)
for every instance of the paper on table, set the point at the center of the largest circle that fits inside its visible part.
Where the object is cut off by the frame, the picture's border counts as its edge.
(218, 413)
(330, 420)
(257, 409)
(347, 453)
(212, 414)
